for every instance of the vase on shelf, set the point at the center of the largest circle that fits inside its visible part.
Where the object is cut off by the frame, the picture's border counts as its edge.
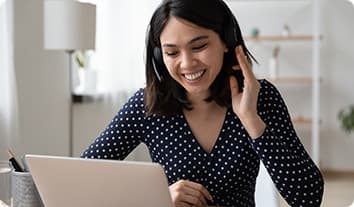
(87, 74)
(88, 81)
(286, 31)
(274, 63)
(273, 68)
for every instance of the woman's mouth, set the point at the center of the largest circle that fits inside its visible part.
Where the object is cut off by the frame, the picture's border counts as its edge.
(194, 76)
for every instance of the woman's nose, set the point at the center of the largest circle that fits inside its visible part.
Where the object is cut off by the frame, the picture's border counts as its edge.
(187, 60)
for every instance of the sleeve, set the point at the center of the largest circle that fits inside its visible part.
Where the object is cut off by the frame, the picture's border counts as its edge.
(293, 172)
(122, 134)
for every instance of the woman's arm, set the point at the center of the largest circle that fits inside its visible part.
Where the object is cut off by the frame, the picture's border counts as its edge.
(265, 116)
(292, 170)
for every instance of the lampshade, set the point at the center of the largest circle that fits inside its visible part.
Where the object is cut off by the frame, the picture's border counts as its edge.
(69, 25)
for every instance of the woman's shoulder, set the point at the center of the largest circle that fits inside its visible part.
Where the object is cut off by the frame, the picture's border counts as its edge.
(138, 96)
(135, 101)
(139, 93)
(267, 88)
(266, 84)
(268, 92)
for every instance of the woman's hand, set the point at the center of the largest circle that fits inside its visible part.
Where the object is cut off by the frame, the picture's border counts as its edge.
(244, 104)
(186, 193)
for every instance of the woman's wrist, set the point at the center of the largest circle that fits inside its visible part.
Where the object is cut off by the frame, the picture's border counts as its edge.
(254, 125)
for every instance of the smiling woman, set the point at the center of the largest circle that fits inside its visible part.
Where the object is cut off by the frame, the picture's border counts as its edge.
(207, 128)
(190, 59)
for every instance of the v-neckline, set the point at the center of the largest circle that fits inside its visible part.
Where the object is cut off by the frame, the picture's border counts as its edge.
(218, 138)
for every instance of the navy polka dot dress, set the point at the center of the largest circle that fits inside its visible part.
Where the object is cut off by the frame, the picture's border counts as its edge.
(229, 171)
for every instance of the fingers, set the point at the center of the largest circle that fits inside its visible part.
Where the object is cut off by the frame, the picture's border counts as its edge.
(187, 193)
(200, 188)
(194, 201)
(233, 86)
(244, 103)
(244, 64)
(195, 193)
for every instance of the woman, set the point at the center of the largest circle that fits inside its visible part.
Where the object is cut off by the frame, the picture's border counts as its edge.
(207, 128)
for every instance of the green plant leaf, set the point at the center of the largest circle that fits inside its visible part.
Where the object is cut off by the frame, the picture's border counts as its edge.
(80, 59)
(346, 119)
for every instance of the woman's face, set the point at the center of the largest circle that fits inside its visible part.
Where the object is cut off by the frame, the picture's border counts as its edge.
(192, 54)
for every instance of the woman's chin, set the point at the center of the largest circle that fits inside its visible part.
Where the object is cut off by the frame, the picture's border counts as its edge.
(198, 92)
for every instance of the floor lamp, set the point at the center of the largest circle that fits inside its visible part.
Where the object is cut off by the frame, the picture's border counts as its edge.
(69, 25)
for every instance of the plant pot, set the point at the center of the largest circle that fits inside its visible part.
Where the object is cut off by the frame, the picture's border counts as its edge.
(88, 80)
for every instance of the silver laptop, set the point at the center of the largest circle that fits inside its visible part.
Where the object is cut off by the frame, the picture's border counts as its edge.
(74, 182)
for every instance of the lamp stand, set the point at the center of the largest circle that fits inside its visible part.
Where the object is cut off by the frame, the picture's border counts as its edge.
(71, 107)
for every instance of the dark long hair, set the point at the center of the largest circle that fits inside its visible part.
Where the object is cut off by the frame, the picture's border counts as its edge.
(165, 96)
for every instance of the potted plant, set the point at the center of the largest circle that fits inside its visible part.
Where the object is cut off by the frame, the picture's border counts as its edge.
(346, 119)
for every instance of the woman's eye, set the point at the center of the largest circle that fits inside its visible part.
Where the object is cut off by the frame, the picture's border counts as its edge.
(200, 47)
(171, 53)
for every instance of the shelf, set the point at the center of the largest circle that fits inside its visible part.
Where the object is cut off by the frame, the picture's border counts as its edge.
(306, 44)
(302, 120)
(279, 38)
(297, 80)
(86, 98)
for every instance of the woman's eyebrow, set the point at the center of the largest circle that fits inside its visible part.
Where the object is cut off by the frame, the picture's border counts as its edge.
(198, 38)
(189, 42)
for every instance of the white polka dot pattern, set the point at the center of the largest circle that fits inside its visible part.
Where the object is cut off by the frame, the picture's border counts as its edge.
(229, 171)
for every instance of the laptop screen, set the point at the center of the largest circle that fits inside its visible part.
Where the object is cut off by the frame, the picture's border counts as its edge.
(64, 181)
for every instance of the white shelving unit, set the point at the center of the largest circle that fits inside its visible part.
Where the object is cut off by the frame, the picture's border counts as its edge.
(303, 78)
(294, 40)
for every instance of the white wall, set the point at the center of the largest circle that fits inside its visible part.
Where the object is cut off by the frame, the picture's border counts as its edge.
(42, 78)
(337, 88)
(43, 93)
(42, 85)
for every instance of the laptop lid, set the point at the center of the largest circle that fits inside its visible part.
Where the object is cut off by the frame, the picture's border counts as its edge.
(64, 181)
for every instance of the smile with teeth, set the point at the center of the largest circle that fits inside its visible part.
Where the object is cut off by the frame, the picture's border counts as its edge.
(194, 76)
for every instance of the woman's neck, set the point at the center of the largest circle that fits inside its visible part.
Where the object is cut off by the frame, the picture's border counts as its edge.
(201, 107)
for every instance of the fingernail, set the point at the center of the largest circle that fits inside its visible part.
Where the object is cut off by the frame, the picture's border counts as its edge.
(238, 48)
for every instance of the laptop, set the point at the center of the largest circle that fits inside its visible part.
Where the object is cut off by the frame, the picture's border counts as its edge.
(73, 182)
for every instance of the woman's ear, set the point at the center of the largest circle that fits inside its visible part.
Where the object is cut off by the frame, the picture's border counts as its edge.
(226, 49)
